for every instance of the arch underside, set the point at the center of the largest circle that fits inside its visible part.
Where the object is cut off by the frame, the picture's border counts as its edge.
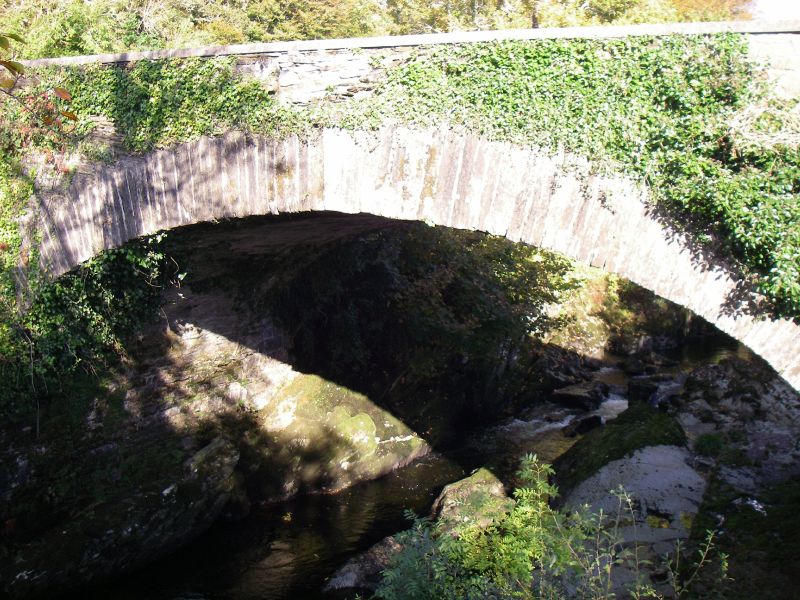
(438, 176)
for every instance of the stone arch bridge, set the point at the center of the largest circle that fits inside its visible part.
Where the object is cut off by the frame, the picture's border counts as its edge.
(440, 176)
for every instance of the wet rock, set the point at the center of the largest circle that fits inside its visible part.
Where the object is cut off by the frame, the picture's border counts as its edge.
(584, 396)
(666, 494)
(15, 470)
(581, 426)
(363, 572)
(637, 427)
(654, 358)
(633, 344)
(558, 368)
(239, 504)
(642, 389)
(475, 500)
(632, 366)
(752, 411)
(113, 536)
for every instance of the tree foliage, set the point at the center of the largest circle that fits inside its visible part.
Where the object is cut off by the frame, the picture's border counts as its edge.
(535, 552)
(67, 27)
(573, 13)
(422, 309)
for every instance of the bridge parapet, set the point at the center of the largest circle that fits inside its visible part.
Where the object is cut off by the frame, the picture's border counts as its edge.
(306, 70)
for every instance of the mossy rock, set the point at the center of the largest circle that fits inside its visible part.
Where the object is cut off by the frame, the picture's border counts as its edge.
(475, 500)
(323, 436)
(357, 430)
(637, 427)
(762, 546)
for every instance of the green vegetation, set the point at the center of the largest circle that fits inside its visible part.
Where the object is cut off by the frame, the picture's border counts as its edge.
(161, 102)
(666, 110)
(77, 323)
(630, 311)
(66, 27)
(637, 427)
(760, 535)
(722, 447)
(533, 551)
(435, 322)
(709, 444)
(657, 108)
(660, 109)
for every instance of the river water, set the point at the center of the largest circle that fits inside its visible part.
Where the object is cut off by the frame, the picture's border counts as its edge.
(287, 551)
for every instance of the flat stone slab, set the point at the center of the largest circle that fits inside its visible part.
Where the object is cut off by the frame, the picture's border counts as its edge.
(661, 483)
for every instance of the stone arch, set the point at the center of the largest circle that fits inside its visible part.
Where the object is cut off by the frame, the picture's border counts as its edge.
(439, 176)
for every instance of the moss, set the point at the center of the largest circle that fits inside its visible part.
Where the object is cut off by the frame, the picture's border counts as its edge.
(657, 522)
(637, 427)
(357, 430)
(477, 499)
(709, 444)
(763, 549)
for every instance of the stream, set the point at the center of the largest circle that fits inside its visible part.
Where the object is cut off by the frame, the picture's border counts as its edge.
(288, 550)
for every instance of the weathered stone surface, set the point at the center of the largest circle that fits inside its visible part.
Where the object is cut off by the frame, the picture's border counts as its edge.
(658, 478)
(111, 536)
(581, 426)
(205, 418)
(585, 396)
(753, 416)
(641, 389)
(436, 175)
(363, 572)
(666, 494)
(474, 501)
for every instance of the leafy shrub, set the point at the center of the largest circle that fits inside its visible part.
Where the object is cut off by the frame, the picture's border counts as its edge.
(709, 444)
(534, 551)
(78, 321)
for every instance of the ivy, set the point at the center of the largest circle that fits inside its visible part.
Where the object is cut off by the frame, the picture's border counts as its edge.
(658, 109)
(154, 103)
(78, 322)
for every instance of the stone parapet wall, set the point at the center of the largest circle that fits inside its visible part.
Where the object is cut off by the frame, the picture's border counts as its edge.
(302, 71)
(458, 37)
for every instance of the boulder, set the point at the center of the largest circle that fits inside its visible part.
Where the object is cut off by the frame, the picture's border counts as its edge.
(584, 396)
(659, 479)
(474, 500)
(665, 494)
(581, 426)
(363, 572)
(642, 389)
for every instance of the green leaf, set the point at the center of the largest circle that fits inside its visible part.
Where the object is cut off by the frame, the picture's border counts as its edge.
(13, 66)
(15, 37)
